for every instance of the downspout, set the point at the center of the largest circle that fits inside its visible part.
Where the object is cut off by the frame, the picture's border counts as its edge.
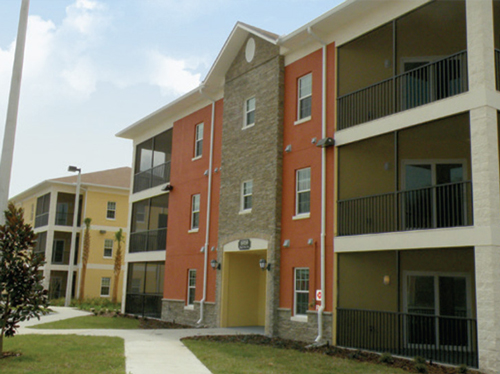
(209, 206)
(321, 309)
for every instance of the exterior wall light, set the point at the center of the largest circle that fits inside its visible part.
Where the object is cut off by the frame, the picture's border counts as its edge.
(325, 142)
(262, 264)
(387, 280)
(168, 187)
(214, 264)
(286, 243)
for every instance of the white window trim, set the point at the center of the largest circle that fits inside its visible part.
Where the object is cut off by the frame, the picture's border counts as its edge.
(245, 113)
(109, 287)
(295, 292)
(298, 217)
(299, 99)
(108, 210)
(303, 120)
(242, 199)
(189, 287)
(196, 140)
(302, 318)
(305, 214)
(104, 250)
(193, 212)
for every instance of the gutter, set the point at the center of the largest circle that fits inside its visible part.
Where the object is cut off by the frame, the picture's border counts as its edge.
(321, 309)
(209, 206)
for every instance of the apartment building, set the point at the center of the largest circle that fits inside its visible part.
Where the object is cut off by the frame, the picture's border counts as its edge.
(50, 206)
(356, 162)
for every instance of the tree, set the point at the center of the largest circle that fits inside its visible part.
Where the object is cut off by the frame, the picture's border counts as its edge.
(85, 256)
(119, 238)
(22, 296)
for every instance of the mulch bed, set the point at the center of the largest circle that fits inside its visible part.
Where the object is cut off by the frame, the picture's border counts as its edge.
(361, 356)
(147, 323)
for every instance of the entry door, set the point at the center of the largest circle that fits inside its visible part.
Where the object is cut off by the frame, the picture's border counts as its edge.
(434, 197)
(436, 295)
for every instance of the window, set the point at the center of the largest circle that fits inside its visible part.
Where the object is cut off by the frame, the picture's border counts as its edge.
(191, 286)
(305, 97)
(105, 286)
(58, 251)
(195, 212)
(152, 162)
(198, 141)
(149, 224)
(246, 196)
(249, 113)
(108, 248)
(42, 210)
(111, 213)
(301, 301)
(303, 198)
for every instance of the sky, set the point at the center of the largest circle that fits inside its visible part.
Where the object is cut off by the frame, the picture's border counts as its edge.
(94, 67)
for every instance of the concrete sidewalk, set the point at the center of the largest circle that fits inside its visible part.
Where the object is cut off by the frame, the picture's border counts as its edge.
(146, 351)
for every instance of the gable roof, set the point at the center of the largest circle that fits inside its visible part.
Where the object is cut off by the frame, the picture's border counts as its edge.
(119, 177)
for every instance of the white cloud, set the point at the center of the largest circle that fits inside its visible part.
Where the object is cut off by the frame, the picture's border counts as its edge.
(171, 75)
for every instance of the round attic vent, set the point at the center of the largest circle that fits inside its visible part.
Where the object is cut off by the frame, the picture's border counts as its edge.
(250, 50)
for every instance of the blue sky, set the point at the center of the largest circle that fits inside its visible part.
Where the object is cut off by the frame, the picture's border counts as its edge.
(94, 67)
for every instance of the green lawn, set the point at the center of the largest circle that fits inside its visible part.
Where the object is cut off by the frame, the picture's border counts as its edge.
(64, 354)
(231, 358)
(91, 322)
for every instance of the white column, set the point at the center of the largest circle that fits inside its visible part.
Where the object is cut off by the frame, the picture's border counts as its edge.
(485, 176)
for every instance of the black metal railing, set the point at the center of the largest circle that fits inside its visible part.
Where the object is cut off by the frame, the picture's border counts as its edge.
(42, 220)
(153, 177)
(431, 82)
(146, 241)
(444, 205)
(145, 305)
(450, 340)
(497, 68)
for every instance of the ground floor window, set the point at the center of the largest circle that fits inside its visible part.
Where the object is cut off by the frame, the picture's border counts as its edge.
(191, 286)
(105, 286)
(301, 299)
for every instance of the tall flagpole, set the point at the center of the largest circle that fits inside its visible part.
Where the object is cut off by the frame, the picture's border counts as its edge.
(12, 109)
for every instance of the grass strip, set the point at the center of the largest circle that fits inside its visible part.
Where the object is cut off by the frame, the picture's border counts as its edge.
(91, 322)
(230, 358)
(64, 354)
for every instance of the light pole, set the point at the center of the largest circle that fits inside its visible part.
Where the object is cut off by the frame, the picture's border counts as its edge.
(12, 109)
(69, 283)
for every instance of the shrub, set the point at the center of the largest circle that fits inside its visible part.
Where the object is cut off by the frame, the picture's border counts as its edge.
(421, 368)
(354, 355)
(419, 360)
(463, 369)
(386, 358)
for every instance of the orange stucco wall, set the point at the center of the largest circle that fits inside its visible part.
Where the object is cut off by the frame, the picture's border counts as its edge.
(305, 154)
(187, 178)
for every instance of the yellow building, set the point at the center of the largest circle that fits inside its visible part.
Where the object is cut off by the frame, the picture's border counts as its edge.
(49, 207)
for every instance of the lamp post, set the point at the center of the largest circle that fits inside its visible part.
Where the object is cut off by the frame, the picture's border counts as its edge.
(12, 109)
(69, 283)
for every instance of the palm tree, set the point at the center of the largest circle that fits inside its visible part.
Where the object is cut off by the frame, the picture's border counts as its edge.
(85, 256)
(119, 238)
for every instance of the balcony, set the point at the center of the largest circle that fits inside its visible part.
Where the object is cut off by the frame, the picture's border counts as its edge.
(152, 177)
(145, 241)
(440, 206)
(144, 305)
(428, 83)
(449, 340)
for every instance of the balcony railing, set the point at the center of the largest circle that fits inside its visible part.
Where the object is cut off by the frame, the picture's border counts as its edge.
(42, 220)
(434, 81)
(153, 177)
(444, 205)
(145, 305)
(497, 68)
(145, 241)
(449, 340)
(64, 219)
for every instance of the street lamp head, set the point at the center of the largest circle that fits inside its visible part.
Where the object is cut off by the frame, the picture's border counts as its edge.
(73, 169)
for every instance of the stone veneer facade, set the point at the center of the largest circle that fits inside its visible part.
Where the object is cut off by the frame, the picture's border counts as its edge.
(306, 330)
(176, 311)
(254, 153)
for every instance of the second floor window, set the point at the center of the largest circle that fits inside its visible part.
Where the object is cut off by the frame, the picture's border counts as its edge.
(304, 97)
(191, 287)
(249, 113)
(198, 141)
(42, 210)
(246, 196)
(303, 191)
(195, 212)
(111, 211)
(108, 248)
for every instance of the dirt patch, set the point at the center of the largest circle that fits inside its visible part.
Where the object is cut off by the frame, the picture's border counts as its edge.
(362, 356)
(10, 354)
